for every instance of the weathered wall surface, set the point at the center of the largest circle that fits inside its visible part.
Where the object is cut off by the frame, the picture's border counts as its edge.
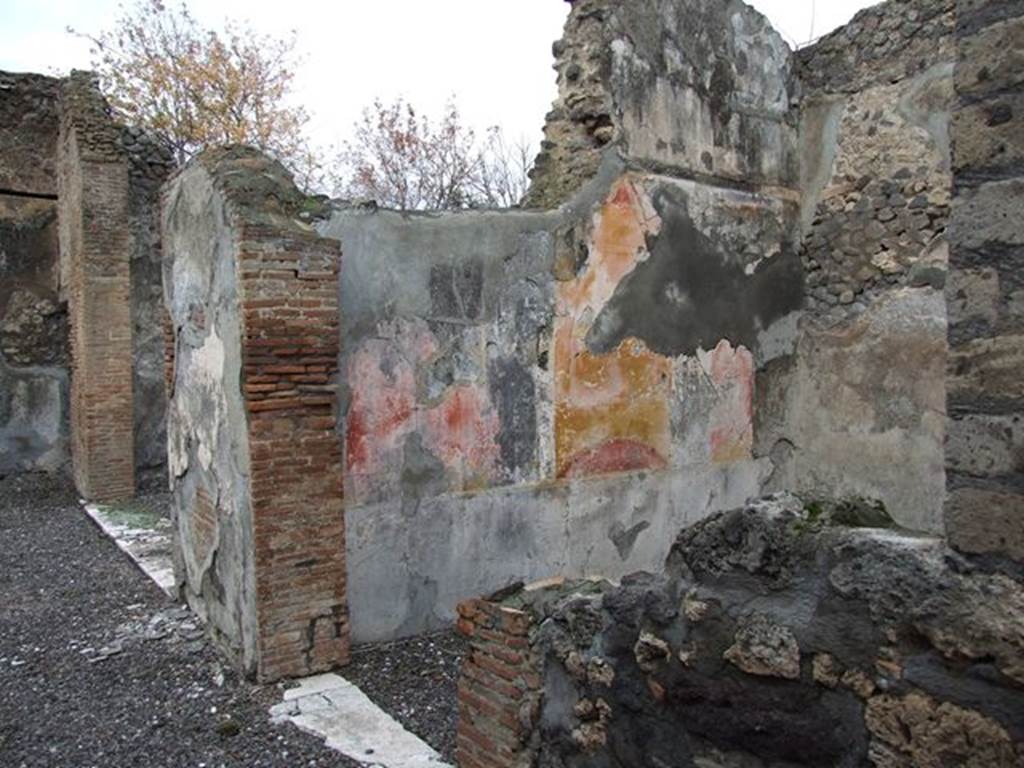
(859, 124)
(446, 335)
(149, 165)
(859, 407)
(95, 262)
(985, 292)
(28, 133)
(254, 460)
(34, 341)
(33, 319)
(498, 364)
(531, 393)
(775, 635)
(703, 90)
(208, 445)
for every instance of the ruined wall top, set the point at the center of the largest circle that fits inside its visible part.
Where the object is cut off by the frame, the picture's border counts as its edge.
(28, 132)
(259, 189)
(712, 661)
(148, 156)
(882, 44)
(85, 112)
(32, 108)
(697, 89)
(705, 88)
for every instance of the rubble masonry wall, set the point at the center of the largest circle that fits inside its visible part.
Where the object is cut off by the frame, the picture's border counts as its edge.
(33, 318)
(34, 330)
(985, 292)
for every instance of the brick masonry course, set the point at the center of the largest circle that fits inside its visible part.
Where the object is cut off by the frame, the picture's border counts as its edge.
(265, 449)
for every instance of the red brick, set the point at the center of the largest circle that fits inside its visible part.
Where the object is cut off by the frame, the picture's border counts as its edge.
(93, 204)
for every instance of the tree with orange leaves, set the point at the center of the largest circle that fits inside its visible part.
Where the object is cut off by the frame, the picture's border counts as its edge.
(195, 87)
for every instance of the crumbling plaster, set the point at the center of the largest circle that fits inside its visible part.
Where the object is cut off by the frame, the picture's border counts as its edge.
(697, 311)
(513, 380)
(656, 320)
(208, 446)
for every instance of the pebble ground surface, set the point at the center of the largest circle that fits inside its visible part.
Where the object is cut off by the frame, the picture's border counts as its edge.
(98, 668)
(414, 681)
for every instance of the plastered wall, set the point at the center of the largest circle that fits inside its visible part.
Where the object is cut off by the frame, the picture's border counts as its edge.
(858, 409)
(535, 392)
(254, 460)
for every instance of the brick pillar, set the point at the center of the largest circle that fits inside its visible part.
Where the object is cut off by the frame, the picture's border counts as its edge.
(985, 390)
(255, 460)
(290, 339)
(499, 688)
(95, 257)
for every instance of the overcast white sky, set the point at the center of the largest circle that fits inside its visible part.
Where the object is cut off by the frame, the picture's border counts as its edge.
(493, 55)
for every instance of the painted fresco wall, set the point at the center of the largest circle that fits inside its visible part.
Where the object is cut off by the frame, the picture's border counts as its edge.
(524, 393)
(524, 378)
(654, 365)
(528, 393)
(535, 393)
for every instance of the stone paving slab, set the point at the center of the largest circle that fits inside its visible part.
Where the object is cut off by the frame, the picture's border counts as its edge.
(333, 708)
(142, 535)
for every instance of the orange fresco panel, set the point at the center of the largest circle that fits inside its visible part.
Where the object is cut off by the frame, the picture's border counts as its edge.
(611, 410)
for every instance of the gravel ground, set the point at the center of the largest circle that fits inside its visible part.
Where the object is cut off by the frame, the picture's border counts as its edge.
(414, 681)
(98, 668)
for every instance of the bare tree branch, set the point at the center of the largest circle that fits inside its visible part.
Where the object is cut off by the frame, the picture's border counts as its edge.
(401, 159)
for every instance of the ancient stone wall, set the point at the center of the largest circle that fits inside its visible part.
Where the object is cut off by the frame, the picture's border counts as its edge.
(150, 163)
(33, 320)
(35, 344)
(792, 632)
(985, 291)
(875, 152)
(886, 43)
(859, 407)
(503, 361)
(254, 459)
(28, 133)
(779, 633)
(529, 393)
(702, 91)
(93, 191)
